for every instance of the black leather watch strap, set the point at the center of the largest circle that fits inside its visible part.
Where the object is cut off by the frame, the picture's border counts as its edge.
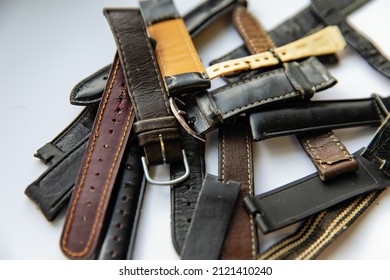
(53, 189)
(91, 88)
(315, 116)
(211, 219)
(327, 12)
(69, 137)
(295, 81)
(117, 241)
(310, 195)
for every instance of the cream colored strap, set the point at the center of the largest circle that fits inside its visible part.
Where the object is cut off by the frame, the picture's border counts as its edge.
(327, 41)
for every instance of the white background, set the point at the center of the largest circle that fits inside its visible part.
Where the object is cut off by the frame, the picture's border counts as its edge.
(47, 46)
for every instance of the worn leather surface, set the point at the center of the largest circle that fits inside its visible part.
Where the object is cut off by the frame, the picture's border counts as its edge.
(125, 205)
(310, 195)
(90, 89)
(327, 12)
(147, 92)
(276, 86)
(211, 219)
(53, 189)
(154, 12)
(75, 132)
(186, 83)
(315, 116)
(329, 155)
(185, 194)
(236, 163)
(97, 174)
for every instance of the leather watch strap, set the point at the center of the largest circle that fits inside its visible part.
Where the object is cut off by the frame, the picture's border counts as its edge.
(296, 81)
(236, 163)
(90, 89)
(328, 154)
(310, 195)
(94, 184)
(316, 116)
(325, 150)
(125, 206)
(53, 189)
(69, 137)
(327, 12)
(177, 57)
(156, 126)
(211, 219)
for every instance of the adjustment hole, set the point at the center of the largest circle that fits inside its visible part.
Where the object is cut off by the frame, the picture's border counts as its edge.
(216, 70)
(189, 203)
(116, 238)
(92, 188)
(100, 160)
(122, 212)
(88, 203)
(125, 198)
(119, 225)
(105, 77)
(105, 146)
(114, 120)
(97, 174)
(111, 131)
(226, 66)
(83, 218)
(189, 220)
(113, 254)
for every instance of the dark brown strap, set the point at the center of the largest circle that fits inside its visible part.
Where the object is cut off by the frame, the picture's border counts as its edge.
(96, 178)
(325, 150)
(329, 155)
(157, 130)
(235, 163)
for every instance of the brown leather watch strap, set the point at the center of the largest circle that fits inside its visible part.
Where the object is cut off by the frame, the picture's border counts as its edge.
(96, 178)
(157, 131)
(329, 155)
(235, 163)
(325, 150)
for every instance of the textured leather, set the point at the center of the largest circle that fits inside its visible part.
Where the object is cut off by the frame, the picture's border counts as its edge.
(378, 150)
(211, 219)
(328, 154)
(100, 165)
(310, 195)
(90, 89)
(75, 132)
(315, 116)
(296, 81)
(125, 205)
(52, 190)
(186, 83)
(236, 163)
(147, 92)
(185, 194)
(327, 12)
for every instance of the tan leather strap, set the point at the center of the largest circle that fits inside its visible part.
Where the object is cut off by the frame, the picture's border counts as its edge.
(235, 163)
(175, 51)
(326, 41)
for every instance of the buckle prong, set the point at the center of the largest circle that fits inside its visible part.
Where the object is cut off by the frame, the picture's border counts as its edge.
(170, 182)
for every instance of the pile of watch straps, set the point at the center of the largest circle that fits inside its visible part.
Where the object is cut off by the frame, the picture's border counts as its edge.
(153, 105)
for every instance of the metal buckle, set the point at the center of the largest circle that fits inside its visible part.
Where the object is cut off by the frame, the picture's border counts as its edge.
(179, 116)
(381, 106)
(171, 182)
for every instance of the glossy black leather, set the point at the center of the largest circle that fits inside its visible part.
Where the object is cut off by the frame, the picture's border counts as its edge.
(300, 199)
(295, 81)
(90, 89)
(156, 11)
(315, 116)
(327, 12)
(211, 219)
(125, 206)
(76, 131)
(185, 194)
(186, 83)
